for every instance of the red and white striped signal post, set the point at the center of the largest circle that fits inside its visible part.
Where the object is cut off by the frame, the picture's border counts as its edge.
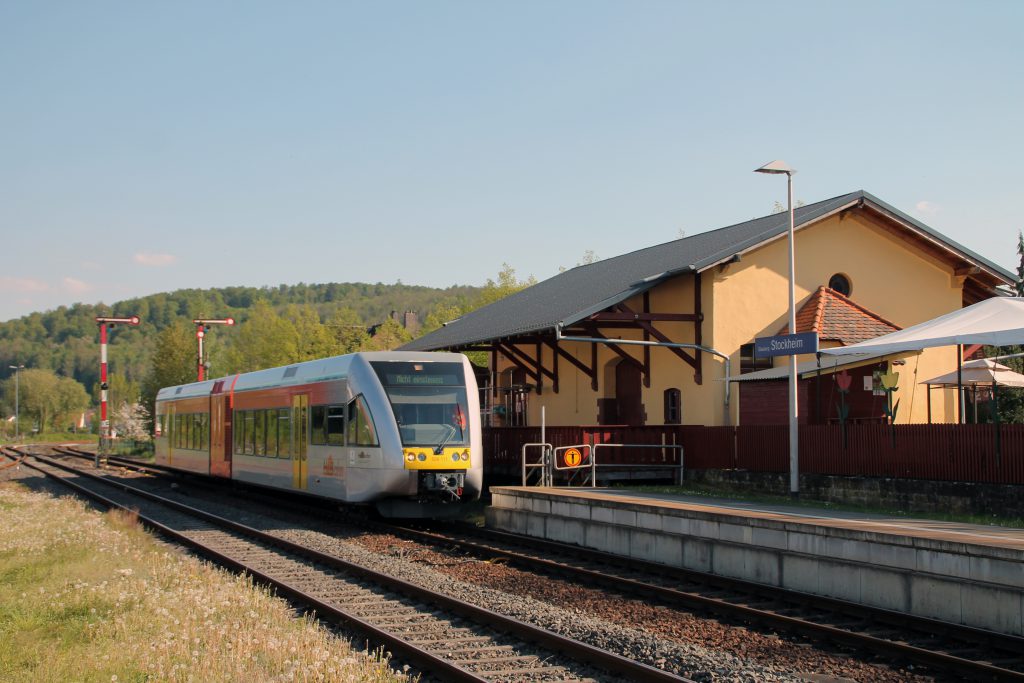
(202, 327)
(104, 422)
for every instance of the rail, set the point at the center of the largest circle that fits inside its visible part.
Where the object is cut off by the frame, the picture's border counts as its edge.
(583, 459)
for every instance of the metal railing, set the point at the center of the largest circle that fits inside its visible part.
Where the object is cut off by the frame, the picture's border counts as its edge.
(582, 459)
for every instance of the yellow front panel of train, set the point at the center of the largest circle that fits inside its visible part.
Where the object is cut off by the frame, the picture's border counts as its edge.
(453, 458)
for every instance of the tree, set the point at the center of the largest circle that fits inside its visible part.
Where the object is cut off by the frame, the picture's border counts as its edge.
(43, 396)
(348, 330)
(1020, 266)
(313, 339)
(265, 340)
(71, 401)
(507, 284)
(442, 314)
(390, 335)
(173, 362)
(131, 420)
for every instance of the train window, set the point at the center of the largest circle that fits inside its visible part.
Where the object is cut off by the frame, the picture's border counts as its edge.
(360, 424)
(271, 433)
(250, 427)
(204, 431)
(197, 431)
(317, 425)
(186, 440)
(336, 426)
(260, 434)
(284, 433)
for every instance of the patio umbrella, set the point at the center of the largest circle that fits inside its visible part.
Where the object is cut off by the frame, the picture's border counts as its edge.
(981, 372)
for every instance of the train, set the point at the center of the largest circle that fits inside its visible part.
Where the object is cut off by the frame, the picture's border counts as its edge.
(398, 431)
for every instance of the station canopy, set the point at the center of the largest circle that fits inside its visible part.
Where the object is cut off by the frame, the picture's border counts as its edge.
(993, 322)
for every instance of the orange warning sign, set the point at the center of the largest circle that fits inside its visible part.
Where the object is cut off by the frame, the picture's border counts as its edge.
(573, 457)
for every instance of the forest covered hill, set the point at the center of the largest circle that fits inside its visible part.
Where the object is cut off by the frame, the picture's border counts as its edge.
(65, 340)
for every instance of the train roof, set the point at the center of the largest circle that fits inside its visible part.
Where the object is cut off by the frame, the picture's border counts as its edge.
(319, 370)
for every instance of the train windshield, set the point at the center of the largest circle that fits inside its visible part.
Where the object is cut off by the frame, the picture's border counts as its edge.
(429, 401)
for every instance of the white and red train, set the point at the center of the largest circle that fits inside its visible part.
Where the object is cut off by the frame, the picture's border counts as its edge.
(397, 430)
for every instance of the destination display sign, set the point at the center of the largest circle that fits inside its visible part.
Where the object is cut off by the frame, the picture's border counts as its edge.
(786, 345)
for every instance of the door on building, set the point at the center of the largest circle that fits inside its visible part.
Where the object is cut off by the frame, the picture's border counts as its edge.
(628, 399)
(300, 426)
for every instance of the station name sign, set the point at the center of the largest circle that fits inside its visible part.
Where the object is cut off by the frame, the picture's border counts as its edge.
(786, 345)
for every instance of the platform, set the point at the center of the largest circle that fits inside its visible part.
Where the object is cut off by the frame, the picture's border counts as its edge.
(961, 573)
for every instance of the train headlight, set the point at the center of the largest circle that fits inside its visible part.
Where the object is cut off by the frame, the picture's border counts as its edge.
(455, 457)
(411, 457)
(465, 455)
(423, 457)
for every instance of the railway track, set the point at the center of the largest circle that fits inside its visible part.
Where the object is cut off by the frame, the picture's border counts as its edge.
(966, 651)
(448, 638)
(959, 650)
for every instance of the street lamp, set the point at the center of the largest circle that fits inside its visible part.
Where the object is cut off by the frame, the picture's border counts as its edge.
(17, 394)
(779, 166)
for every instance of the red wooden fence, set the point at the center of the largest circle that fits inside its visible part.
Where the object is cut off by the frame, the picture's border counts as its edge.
(938, 452)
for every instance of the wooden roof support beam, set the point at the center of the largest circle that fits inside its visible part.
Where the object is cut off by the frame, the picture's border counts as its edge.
(662, 338)
(537, 363)
(619, 352)
(533, 374)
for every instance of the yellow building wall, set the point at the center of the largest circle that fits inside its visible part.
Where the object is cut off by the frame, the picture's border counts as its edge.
(888, 276)
(749, 299)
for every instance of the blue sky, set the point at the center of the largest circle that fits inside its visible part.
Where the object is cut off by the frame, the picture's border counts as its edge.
(146, 147)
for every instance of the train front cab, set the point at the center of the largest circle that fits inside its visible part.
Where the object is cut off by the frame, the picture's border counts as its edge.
(436, 420)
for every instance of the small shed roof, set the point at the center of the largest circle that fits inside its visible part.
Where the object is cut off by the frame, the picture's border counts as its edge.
(838, 318)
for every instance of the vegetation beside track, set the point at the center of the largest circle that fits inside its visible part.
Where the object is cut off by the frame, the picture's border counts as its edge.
(93, 597)
(52, 437)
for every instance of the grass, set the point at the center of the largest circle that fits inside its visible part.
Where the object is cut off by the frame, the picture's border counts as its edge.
(709, 491)
(51, 437)
(86, 596)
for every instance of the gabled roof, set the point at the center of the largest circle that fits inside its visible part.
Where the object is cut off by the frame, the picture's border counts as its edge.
(838, 318)
(582, 291)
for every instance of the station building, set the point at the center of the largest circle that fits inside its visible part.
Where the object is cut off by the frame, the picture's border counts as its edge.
(864, 268)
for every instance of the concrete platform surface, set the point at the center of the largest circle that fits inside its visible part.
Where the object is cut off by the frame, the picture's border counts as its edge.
(956, 532)
(962, 573)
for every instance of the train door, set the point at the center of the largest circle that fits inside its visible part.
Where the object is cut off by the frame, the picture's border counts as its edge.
(300, 431)
(220, 443)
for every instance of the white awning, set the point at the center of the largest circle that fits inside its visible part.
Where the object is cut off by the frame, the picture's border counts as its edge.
(993, 322)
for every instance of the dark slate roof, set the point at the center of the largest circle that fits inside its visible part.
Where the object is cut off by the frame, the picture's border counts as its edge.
(579, 292)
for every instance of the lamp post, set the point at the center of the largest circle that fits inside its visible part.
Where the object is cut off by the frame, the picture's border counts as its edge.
(779, 166)
(17, 399)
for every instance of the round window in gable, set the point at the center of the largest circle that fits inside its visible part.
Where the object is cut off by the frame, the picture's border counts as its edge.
(840, 283)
